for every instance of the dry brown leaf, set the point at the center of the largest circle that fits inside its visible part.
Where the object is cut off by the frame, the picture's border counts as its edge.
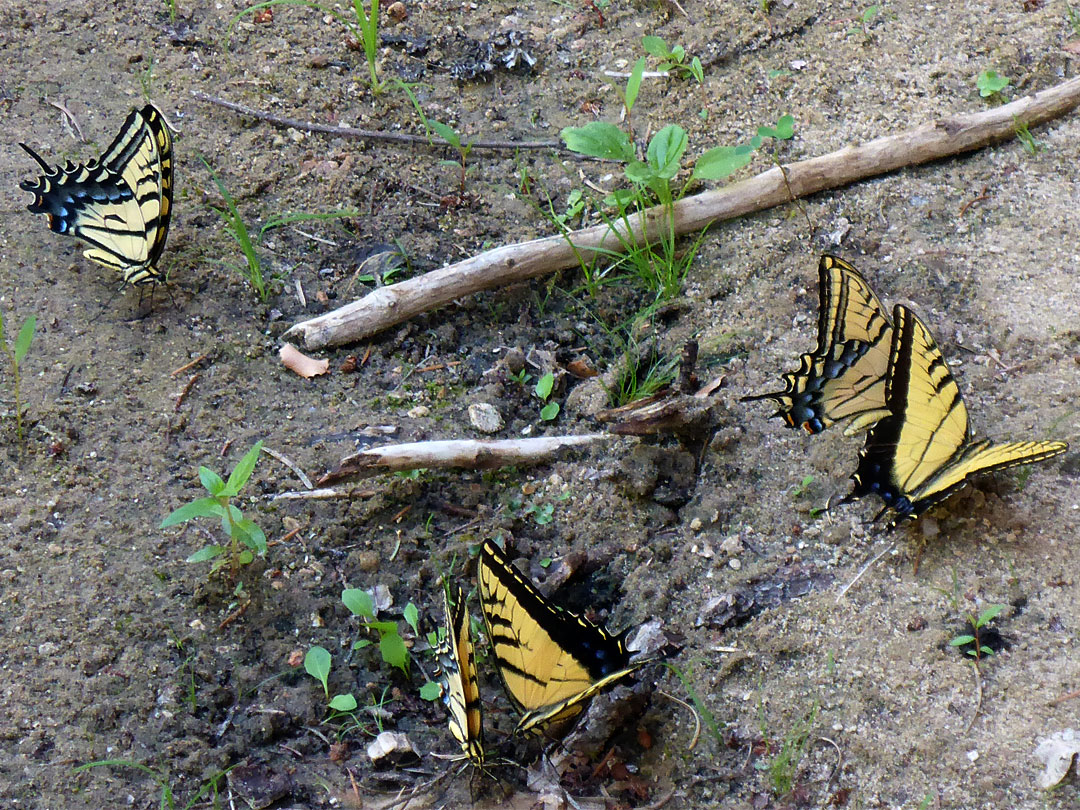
(297, 361)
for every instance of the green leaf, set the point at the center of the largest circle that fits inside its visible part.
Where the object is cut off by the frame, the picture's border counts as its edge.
(784, 129)
(678, 53)
(343, 703)
(870, 13)
(549, 411)
(447, 133)
(986, 650)
(599, 139)
(638, 171)
(211, 481)
(960, 641)
(545, 562)
(654, 46)
(394, 652)
(242, 471)
(697, 70)
(359, 602)
(989, 615)
(252, 536)
(364, 642)
(412, 617)
(206, 553)
(989, 83)
(778, 72)
(544, 385)
(633, 86)
(722, 161)
(203, 507)
(432, 690)
(666, 149)
(245, 557)
(317, 665)
(26, 334)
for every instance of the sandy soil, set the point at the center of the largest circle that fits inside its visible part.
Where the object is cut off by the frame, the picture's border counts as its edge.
(113, 647)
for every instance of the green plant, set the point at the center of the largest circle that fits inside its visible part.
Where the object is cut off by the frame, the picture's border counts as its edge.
(170, 5)
(699, 705)
(168, 798)
(16, 353)
(800, 489)
(543, 390)
(521, 377)
(542, 513)
(365, 28)
(864, 20)
(972, 640)
(656, 261)
(784, 766)
(317, 664)
(146, 76)
(245, 538)
(447, 133)
(673, 60)
(641, 377)
(299, 216)
(1074, 19)
(1032, 147)
(990, 84)
(391, 645)
(234, 224)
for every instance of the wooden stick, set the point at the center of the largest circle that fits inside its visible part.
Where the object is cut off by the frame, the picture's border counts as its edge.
(471, 454)
(394, 303)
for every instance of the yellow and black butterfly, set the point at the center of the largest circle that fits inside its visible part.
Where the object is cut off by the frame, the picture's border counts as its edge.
(457, 676)
(551, 661)
(844, 377)
(924, 451)
(118, 204)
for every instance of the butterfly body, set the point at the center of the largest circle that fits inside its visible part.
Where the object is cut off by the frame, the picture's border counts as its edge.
(551, 661)
(119, 204)
(458, 678)
(843, 378)
(924, 451)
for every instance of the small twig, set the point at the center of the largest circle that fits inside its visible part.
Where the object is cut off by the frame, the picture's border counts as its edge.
(1065, 697)
(982, 196)
(232, 617)
(438, 366)
(373, 135)
(292, 465)
(469, 454)
(326, 494)
(70, 117)
(300, 294)
(863, 570)
(839, 758)
(187, 389)
(978, 693)
(697, 718)
(190, 365)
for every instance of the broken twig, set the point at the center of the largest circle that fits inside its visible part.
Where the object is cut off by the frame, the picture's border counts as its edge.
(472, 454)
(512, 264)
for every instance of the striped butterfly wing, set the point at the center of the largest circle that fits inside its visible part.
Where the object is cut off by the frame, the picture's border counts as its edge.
(844, 377)
(551, 661)
(119, 204)
(923, 451)
(460, 687)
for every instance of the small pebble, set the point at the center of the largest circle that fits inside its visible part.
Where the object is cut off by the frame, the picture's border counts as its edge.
(485, 417)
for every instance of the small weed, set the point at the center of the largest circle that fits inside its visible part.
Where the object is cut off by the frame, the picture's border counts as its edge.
(784, 767)
(317, 664)
(542, 513)
(16, 353)
(170, 6)
(777, 73)
(1022, 476)
(521, 377)
(864, 20)
(543, 390)
(990, 84)
(209, 790)
(447, 133)
(800, 489)
(391, 645)
(673, 60)
(245, 538)
(1074, 19)
(975, 648)
(289, 219)
(146, 76)
(364, 28)
(234, 224)
(641, 378)
(1032, 147)
(702, 710)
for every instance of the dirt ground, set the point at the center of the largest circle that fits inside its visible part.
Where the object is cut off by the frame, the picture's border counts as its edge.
(115, 648)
